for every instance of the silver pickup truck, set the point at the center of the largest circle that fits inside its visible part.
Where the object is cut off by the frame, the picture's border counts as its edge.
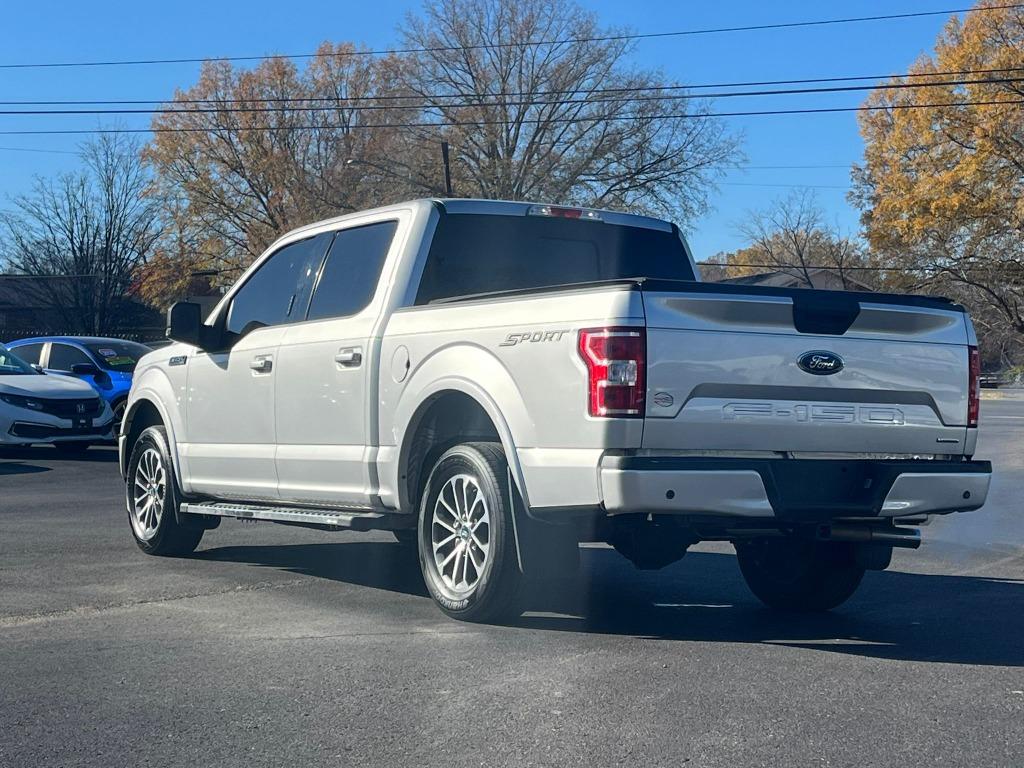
(496, 382)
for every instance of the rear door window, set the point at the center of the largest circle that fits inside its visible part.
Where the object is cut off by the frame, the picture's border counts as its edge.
(63, 356)
(352, 270)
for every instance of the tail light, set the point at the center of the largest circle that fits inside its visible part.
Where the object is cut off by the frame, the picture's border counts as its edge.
(615, 360)
(973, 386)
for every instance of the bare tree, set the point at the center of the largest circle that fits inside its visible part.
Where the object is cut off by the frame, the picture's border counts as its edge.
(570, 121)
(792, 236)
(86, 233)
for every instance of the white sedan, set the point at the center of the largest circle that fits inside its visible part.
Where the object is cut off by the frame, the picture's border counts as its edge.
(49, 408)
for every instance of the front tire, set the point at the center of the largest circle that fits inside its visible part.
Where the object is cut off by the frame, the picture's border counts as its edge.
(118, 409)
(152, 496)
(467, 545)
(799, 575)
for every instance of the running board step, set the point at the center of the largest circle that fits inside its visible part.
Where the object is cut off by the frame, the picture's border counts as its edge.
(333, 518)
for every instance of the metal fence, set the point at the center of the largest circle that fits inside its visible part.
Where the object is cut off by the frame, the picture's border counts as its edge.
(142, 335)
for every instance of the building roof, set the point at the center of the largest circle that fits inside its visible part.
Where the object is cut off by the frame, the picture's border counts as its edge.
(26, 292)
(780, 278)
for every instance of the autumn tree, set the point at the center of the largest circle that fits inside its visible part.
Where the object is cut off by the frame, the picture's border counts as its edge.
(792, 236)
(246, 154)
(243, 156)
(943, 172)
(85, 234)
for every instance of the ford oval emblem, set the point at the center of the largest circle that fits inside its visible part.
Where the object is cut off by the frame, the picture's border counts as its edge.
(820, 362)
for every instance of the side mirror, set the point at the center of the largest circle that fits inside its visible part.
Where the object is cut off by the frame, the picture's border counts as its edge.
(38, 368)
(185, 323)
(85, 369)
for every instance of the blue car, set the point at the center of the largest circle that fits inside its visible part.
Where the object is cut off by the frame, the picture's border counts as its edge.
(106, 364)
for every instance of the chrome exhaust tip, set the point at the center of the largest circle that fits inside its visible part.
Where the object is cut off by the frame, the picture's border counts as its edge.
(907, 538)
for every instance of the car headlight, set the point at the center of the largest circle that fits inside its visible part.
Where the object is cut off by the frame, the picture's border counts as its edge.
(22, 402)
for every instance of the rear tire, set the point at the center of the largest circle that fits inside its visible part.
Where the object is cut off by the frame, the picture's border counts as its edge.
(799, 575)
(466, 535)
(152, 496)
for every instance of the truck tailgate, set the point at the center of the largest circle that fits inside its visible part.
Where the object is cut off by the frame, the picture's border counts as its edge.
(729, 370)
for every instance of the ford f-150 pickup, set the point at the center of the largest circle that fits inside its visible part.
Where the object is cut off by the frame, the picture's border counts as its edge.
(496, 382)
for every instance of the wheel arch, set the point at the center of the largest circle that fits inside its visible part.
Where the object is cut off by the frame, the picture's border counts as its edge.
(451, 411)
(144, 410)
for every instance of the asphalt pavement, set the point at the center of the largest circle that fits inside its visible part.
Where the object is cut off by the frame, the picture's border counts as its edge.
(280, 646)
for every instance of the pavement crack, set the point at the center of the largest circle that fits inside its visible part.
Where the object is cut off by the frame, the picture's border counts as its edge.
(85, 611)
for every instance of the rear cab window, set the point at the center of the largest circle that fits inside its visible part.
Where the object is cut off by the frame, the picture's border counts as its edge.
(483, 253)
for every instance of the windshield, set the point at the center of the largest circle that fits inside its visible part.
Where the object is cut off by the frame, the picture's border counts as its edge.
(480, 253)
(120, 356)
(12, 365)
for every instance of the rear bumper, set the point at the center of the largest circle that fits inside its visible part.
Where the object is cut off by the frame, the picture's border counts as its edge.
(791, 490)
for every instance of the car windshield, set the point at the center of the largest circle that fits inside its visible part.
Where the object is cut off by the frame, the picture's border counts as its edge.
(12, 365)
(120, 356)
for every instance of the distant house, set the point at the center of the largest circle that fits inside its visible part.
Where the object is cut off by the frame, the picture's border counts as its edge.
(27, 308)
(824, 279)
(23, 307)
(201, 291)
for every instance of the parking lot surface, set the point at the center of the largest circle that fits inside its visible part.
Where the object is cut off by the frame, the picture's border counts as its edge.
(282, 646)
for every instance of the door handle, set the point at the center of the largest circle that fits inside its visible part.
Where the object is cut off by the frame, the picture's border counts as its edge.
(262, 364)
(350, 357)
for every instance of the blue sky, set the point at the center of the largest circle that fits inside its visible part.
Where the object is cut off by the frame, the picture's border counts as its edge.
(66, 31)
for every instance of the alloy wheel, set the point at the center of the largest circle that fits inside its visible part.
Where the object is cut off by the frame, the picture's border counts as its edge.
(149, 492)
(460, 534)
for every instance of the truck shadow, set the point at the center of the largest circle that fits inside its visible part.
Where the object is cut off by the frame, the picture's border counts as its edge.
(380, 565)
(894, 615)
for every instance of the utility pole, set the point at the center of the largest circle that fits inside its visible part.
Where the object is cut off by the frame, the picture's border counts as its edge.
(447, 169)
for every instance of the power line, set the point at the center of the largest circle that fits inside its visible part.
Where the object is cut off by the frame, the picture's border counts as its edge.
(174, 109)
(478, 123)
(722, 167)
(784, 267)
(46, 277)
(34, 149)
(513, 94)
(788, 186)
(533, 43)
(789, 167)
